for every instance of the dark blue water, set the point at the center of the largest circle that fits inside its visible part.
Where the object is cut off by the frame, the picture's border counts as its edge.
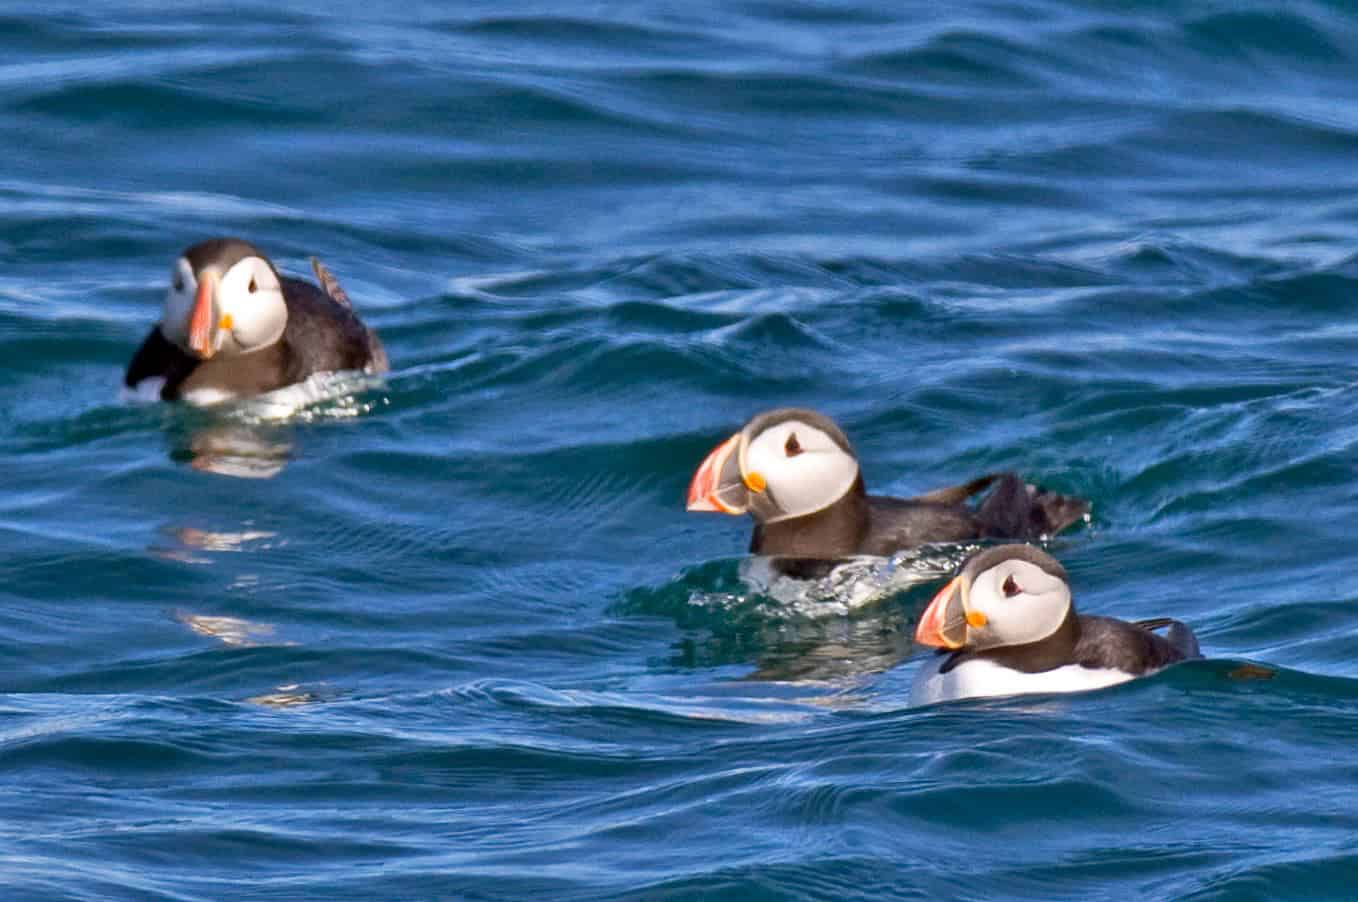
(453, 636)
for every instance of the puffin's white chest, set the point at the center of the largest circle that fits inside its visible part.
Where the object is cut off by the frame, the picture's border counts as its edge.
(979, 678)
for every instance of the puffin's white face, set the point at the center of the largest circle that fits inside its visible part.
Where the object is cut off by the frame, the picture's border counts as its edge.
(789, 468)
(1020, 603)
(997, 600)
(174, 320)
(235, 312)
(803, 470)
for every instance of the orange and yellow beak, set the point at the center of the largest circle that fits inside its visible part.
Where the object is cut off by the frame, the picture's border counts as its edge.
(201, 332)
(713, 488)
(945, 621)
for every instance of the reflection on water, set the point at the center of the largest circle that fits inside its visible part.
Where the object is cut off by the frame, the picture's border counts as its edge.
(838, 650)
(208, 540)
(252, 439)
(232, 631)
(189, 540)
(242, 451)
(290, 695)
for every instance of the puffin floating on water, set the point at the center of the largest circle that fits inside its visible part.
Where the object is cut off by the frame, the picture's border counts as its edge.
(1006, 625)
(795, 473)
(233, 327)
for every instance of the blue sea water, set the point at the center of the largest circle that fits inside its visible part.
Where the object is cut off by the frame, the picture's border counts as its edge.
(453, 635)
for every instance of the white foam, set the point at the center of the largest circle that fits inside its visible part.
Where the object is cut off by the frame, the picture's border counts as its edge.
(332, 393)
(856, 583)
(320, 396)
(206, 397)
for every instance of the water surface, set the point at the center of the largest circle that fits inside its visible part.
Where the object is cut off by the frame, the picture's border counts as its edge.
(457, 638)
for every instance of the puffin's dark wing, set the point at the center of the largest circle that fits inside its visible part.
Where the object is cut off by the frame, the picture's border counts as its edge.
(1129, 647)
(1017, 510)
(1177, 633)
(324, 336)
(897, 523)
(957, 494)
(158, 357)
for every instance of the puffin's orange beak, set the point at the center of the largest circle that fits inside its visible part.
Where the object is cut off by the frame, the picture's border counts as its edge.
(944, 622)
(200, 321)
(706, 489)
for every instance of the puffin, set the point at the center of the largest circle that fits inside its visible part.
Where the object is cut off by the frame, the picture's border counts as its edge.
(233, 327)
(1006, 625)
(795, 473)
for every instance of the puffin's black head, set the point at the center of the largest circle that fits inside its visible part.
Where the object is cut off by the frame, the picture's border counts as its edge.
(1006, 595)
(784, 463)
(225, 298)
(222, 253)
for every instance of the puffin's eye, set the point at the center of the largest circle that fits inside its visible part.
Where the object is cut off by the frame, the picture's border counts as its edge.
(178, 282)
(253, 287)
(1010, 588)
(792, 447)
